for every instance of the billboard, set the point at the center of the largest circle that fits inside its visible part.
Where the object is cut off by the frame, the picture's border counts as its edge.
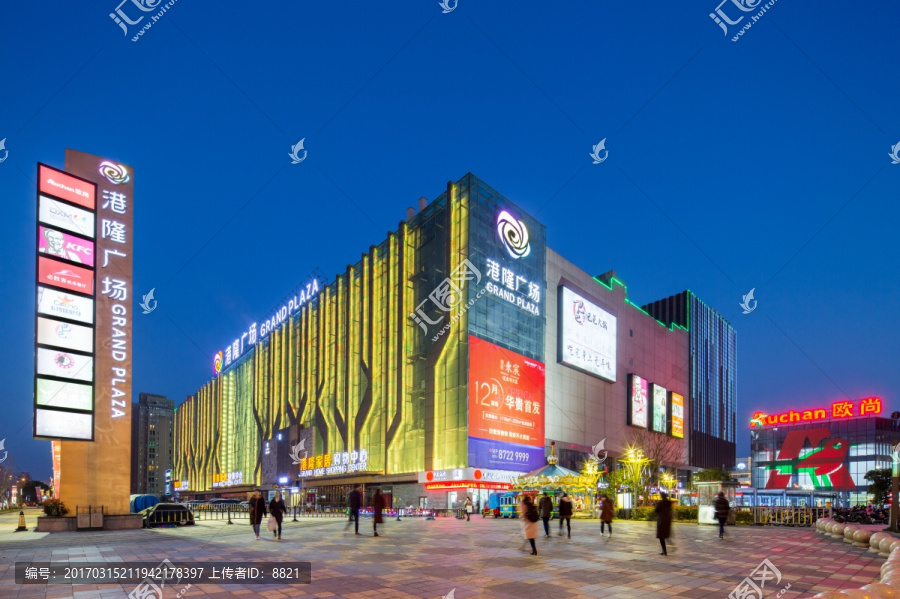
(660, 419)
(62, 245)
(59, 394)
(63, 364)
(823, 465)
(55, 424)
(56, 448)
(506, 408)
(64, 335)
(66, 187)
(63, 216)
(587, 335)
(677, 415)
(65, 276)
(55, 302)
(637, 401)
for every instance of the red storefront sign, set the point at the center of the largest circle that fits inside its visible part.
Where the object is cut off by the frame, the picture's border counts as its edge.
(869, 406)
(65, 276)
(66, 187)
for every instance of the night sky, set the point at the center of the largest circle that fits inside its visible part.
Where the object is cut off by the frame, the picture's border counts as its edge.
(761, 163)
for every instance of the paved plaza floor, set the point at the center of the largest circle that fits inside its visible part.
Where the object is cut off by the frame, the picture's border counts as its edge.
(481, 558)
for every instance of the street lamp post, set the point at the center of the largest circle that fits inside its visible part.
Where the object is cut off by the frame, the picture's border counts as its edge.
(636, 463)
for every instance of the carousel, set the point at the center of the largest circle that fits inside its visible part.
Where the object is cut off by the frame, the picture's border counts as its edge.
(556, 480)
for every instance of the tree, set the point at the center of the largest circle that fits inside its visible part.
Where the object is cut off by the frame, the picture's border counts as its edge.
(712, 475)
(661, 450)
(879, 485)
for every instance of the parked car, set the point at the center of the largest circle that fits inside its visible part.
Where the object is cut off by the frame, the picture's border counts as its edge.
(167, 513)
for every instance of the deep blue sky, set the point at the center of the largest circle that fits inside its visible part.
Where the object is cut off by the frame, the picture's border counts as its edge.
(762, 163)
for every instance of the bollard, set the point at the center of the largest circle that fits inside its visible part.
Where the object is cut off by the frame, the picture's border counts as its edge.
(21, 526)
(295, 513)
(229, 515)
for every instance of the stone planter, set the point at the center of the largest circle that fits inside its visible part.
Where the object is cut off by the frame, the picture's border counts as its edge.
(48, 524)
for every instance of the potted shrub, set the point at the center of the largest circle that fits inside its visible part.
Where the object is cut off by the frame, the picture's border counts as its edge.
(55, 519)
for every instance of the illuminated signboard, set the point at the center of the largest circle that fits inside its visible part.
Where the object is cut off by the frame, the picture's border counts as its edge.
(227, 479)
(63, 245)
(869, 406)
(822, 466)
(637, 401)
(472, 475)
(506, 408)
(259, 331)
(65, 276)
(64, 335)
(56, 448)
(508, 285)
(336, 463)
(63, 364)
(59, 394)
(63, 216)
(54, 302)
(66, 187)
(660, 404)
(677, 415)
(63, 425)
(587, 337)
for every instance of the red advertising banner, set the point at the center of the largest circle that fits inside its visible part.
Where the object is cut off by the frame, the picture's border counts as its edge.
(66, 187)
(825, 462)
(506, 395)
(62, 245)
(65, 276)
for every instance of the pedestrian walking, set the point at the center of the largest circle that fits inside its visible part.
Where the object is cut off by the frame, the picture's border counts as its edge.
(354, 502)
(528, 513)
(545, 505)
(565, 513)
(722, 509)
(257, 511)
(663, 521)
(278, 510)
(606, 514)
(469, 508)
(377, 508)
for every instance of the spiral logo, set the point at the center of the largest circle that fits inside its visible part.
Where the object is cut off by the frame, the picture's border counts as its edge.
(748, 4)
(217, 363)
(149, 4)
(114, 173)
(513, 234)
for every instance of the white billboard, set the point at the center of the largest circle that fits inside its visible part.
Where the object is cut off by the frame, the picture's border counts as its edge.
(56, 302)
(63, 425)
(660, 408)
(70, 218)
(587, 335)
(57, 362)
(58, 394)
(64, 335)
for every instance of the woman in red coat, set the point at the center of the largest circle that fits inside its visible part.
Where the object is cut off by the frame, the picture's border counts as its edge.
(377, 508)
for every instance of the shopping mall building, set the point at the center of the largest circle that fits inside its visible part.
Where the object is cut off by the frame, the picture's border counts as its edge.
(816, 454)
(446, 360)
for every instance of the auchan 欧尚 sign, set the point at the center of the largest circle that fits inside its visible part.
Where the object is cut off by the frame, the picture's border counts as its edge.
(869, 406)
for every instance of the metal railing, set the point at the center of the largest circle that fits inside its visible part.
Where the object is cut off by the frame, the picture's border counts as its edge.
(789, 515)
(229, 512)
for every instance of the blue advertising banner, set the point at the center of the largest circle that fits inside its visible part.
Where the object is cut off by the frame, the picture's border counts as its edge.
(500, 455)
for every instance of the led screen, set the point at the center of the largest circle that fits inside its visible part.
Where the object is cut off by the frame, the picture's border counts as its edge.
(63, 216)
(64, 335)
(587, 336)
(58, 394)
(63, 425)
(62, 245)
(660, 404)
(55, 302)
(637, 401)
(677, 415)
(65, 186)
(57, 362)
(66, 276)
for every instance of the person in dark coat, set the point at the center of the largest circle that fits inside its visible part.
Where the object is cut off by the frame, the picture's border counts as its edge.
(377, 508)
(545, 506)
(565, 513)
(277, 509)
(722, 510)
(354, 501)
(663, 521)
(257, 511)
(606, 514)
